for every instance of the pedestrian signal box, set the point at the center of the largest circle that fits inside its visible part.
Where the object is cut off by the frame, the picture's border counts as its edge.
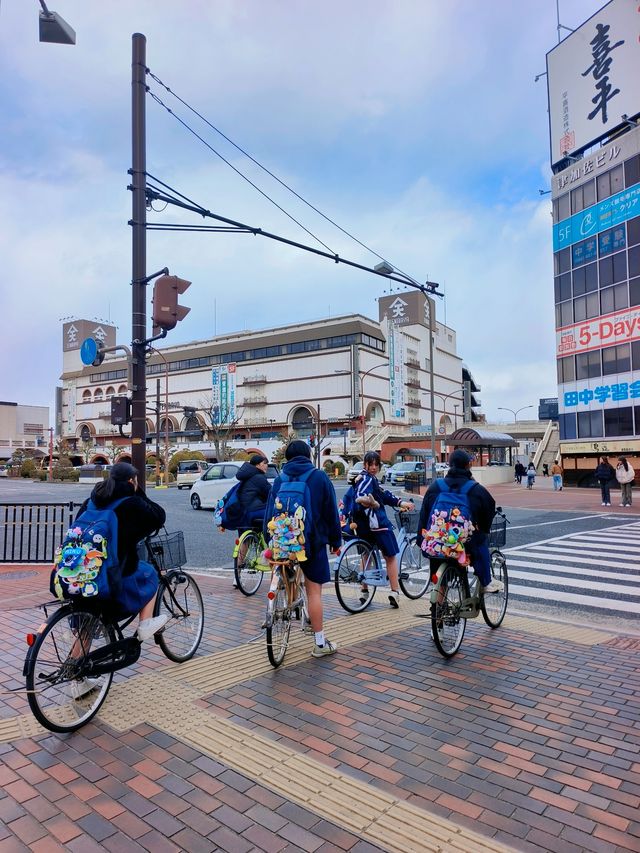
(166, 310)
(120, 411)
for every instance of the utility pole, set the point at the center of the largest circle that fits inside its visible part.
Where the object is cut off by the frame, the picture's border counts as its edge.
(157, 431)
(138, 253)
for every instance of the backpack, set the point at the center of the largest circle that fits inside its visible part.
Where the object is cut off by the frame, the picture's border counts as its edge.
(451, 524)
(230, 514)
(88, 553)
(294, 515)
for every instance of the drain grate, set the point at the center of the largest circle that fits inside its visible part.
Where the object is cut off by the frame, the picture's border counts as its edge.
(17, 576)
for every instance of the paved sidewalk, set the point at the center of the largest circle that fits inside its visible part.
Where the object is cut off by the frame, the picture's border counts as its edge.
(528, 740)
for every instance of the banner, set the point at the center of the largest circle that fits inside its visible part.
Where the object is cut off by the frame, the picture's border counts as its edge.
(223, 395)
(620, 327)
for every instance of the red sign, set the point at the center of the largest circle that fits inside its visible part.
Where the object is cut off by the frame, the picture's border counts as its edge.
(618, 328)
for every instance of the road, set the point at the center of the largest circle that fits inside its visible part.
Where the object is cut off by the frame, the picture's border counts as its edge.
(581, 565)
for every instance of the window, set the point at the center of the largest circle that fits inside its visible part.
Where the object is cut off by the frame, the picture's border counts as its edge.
(616, 359)
(563, 287)
(562, 208)
(97, 394)
(564, 314)
(636, 412)
(614, 298)
(632, 171)
(566, 369)
(610, 182)
(86, 396)
(589, 424)
(585, 251)
(635, 355)
(585, 307)
(618, 421)
(634, 261)
(588, 365)
(568, 426)
(620, 266)
(612, 240)
(633, 231)
(562, 261)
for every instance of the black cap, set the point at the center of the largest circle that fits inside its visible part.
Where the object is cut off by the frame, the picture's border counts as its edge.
(297, 448)
(257, 458)
(123, 471)
(459, 459)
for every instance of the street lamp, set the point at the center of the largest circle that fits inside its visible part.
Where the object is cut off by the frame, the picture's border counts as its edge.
(53, 28)
(515, 413)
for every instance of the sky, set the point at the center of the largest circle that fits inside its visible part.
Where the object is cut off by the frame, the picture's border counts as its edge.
(416, 125)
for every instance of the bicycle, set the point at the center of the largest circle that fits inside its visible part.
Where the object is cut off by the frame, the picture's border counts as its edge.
(360, 567)
(247, 567)
(80, 640)
(286, 599)
(457, 596)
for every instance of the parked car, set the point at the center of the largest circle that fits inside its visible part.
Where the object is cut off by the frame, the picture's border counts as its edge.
(353, 472)
(396, 474)
(4, 471)
(442, 469)
(216, 482)
(189, 471)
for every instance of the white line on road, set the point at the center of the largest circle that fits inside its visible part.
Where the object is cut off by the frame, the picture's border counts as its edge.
(557, 556)
(559, 580)
(572, 570)
(572, 598)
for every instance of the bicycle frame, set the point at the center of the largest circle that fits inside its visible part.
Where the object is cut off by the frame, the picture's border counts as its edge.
(470, 604)
(281, 572)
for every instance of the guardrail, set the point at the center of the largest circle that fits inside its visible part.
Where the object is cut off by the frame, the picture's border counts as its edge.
(30, 533)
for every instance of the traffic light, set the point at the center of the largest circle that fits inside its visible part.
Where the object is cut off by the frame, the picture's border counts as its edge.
(166, 311)
(120, 411)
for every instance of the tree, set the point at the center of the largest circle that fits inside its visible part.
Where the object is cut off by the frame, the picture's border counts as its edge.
(278, 456)
(220, 425)
(87, 447)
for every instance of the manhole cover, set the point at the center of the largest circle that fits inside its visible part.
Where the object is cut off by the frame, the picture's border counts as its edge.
(16, 576)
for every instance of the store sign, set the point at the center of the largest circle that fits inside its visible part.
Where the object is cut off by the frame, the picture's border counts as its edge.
(620, 327)
(223, 395)
(616, 392)
(405, 309)
(601, 446)
(75, 331)
(612, 211)
(592, 78)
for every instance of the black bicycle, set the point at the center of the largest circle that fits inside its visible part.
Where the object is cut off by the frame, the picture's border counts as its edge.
(72, 657)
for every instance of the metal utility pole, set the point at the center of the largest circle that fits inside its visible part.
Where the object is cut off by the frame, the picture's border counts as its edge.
(139, 254)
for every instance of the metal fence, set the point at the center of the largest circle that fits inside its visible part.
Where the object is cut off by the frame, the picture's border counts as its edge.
(30, 533)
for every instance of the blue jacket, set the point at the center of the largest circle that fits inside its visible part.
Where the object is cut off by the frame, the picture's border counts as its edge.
(367, 484)
(324, 507)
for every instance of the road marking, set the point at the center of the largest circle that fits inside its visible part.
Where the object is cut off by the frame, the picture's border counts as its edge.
(573, 570)
(562, 521)
(574, 598)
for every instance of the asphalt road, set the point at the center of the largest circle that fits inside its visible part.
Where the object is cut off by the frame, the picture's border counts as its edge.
(209, 550)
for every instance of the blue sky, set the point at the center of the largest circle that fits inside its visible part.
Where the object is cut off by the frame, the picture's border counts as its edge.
(416, 125)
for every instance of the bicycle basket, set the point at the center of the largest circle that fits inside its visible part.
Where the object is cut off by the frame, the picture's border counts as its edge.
(407, 521)
(166, 549)
(498, 533)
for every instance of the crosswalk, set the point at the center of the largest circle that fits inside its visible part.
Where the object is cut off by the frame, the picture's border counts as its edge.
(595, 569)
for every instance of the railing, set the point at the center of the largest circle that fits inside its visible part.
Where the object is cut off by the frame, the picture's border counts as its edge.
(30, 533)
(543, 443)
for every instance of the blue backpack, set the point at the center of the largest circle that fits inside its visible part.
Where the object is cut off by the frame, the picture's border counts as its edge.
(230, 514)
(88, 553)
(291, 529)
(451, 523)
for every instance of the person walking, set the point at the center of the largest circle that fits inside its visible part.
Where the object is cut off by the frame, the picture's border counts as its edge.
(531, 475)
(326, 531)
(625, 476)
(604, 475)
(556, 474)
(519, 470)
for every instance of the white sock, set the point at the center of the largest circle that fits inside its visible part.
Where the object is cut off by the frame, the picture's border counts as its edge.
(319, 638)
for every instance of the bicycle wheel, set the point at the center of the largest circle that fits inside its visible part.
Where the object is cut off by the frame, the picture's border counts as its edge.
(494, 606)
(248, 576)
(62, 693)
(414, 574)
(355, 558)
(180, 598)
(278, 627)
(447, 627)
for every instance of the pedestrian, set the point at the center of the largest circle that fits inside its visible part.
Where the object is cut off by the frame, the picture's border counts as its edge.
(519, 470)
(326, 531)
(604, 475)
(556, 474)
(545, 469)
(531, 475)
(254, 493)
(625, 476)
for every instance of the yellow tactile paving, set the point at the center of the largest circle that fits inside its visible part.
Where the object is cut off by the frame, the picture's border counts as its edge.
(558, 630)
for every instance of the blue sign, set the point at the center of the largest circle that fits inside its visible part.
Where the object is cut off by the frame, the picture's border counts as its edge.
(612, 211)
(88, 351)
(617, 392)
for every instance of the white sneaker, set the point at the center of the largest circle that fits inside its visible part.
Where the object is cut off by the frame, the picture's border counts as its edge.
(329, 648)
(621, 504)
(148, 627)
(603, 503)
(78, 689)
(394, 598)
(493, 587)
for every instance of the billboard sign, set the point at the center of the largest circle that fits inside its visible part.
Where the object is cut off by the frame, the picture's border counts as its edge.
(397, 370)
(621, 327)
(592, 78)
(223, 395)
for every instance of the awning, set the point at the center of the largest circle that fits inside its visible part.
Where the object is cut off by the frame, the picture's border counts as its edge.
(468, 437)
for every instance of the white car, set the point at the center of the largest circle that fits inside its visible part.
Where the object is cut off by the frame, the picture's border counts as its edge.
(216, 482)
(353, 472)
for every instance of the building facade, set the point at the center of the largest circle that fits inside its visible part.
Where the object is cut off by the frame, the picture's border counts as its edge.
(333, 381)
(24, 428)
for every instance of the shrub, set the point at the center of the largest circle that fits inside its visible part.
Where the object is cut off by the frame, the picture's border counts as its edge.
(29, 468)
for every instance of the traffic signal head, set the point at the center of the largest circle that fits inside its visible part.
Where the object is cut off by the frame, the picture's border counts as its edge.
(166, 311)
(120, 411)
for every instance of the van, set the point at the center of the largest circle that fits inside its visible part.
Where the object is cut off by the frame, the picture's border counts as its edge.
(189, 471)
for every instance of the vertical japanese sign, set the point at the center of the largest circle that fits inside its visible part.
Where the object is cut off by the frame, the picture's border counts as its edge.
(70, 389)
(223, 394)
(397, 370)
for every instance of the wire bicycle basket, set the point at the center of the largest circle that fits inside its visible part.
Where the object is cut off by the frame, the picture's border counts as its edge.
(407, 521)
(167, 549)
(498, 533)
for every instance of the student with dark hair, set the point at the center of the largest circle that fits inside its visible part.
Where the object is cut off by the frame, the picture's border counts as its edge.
(605, 474)
(136, 583)
(254, 492)
(625, 475)
(326, 531)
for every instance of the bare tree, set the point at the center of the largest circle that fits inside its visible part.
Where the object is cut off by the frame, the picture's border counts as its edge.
(219, 424)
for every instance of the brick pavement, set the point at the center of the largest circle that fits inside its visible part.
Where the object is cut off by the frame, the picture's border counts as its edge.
(528, 738)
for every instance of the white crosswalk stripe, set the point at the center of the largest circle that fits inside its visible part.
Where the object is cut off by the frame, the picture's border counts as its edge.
(597, 569)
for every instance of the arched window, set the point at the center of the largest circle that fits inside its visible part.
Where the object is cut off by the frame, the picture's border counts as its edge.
(86, 396)
(375, 414)
(302, 421)
(97, 394)
(85, 433)
(164, 423)
(122, 389)
(192, 423)
(110, 392)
